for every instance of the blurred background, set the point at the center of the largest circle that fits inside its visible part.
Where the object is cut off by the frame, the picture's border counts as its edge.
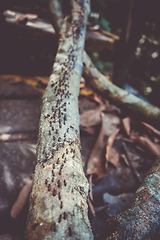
(123, 40)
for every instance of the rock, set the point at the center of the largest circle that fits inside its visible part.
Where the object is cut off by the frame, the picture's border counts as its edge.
(16, 167)
(19, 116)
(117, 181)
(116, 204)
(14, 87)
(6, 237)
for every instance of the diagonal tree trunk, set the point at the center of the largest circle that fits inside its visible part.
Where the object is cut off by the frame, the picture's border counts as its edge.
(127, 101)
(58, 202)
(141, 220)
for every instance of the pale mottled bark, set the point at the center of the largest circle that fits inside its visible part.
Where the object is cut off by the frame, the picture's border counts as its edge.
(141, 220)
(58, 202)
(130, 103)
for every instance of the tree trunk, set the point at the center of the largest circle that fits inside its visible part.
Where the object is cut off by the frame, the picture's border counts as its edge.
(141, 219)
(58, 202)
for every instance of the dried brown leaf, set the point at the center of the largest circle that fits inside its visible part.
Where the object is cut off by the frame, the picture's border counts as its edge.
(98, 99)
(85, 91)
(149, 146)
(21, 199)
(92, 117)
(112, 109)
(91, 207)
(111, 154)
(149, 127)
(113, 157)
(132, 141)
(96, 162)
(126, 125)
(111, 123)
(90, 130)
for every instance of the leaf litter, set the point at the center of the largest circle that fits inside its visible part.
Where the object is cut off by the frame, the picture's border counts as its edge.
(123, 151)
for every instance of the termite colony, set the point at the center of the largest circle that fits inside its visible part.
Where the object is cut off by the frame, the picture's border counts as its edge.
(59, 129)
(61, 135)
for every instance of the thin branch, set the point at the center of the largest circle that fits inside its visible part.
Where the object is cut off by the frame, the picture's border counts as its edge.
(130, 103)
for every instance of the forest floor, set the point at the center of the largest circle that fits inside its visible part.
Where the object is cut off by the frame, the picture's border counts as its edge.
(117, 151)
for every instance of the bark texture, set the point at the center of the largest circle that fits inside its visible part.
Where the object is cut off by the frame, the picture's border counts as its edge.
(141, 219)
(134, 105)
(58, 202)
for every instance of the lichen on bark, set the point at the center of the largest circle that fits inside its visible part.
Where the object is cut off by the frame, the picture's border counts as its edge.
(58, 202)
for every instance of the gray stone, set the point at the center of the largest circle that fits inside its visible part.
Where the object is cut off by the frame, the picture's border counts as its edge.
(12, 89)
(19, 116)
(116, 181)
(17, 161)
(6, 237)
(116, 204)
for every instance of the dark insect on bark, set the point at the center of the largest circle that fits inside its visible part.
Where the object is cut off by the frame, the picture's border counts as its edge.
(43, 165)
(65, 184)
(60, 218)
(70, 231)
(57, 161)
(61, 166)
(59, 196)
(53, 174)
(53, 227)
(49, 187)
(64, 215)
(59, 183)
(54, 192)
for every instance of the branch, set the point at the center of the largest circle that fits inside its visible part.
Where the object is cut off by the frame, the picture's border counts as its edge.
(58, 202)
(122, 98)
(142, 217)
